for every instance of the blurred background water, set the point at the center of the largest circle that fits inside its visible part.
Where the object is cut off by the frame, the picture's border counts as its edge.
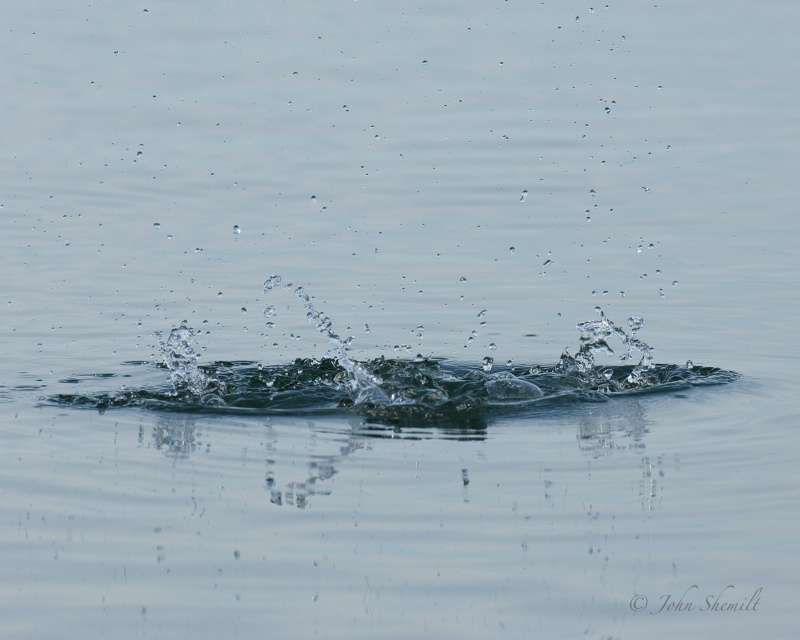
(410, 165)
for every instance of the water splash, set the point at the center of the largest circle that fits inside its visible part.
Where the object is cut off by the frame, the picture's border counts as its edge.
(421, 390)
(364, 386)
(179, 353)
(594, 339)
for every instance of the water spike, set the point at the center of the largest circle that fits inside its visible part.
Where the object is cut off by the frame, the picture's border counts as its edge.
(364, 387)
(180, 354)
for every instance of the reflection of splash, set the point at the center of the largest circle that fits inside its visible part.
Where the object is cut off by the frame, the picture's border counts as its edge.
(601, 430)
(320, 468)
(177, 437)
(605, 431)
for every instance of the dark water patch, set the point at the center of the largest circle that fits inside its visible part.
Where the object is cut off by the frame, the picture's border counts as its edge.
(400, 392)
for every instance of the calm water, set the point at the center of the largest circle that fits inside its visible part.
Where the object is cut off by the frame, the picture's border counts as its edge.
(450, 181)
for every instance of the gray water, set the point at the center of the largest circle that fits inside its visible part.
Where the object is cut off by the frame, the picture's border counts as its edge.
(410, 166)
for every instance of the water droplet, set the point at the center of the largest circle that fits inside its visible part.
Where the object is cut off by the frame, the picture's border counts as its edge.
(547, 263)
(487, 363)
(462, 279)
(674, 283)
(661, 293)
(313, 198)
(244, 309)
(621, 294)
(236, 230)
(465, 477)
(366, 328)
(689, 364)
(156, 225)
(492, 346)
(524, 196)
(482, 313)
(236, 554)
(635, 322)
(271, 282)
(512, 249)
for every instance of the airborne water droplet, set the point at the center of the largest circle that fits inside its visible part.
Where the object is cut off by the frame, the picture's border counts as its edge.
(271, 282)
(236, 230)
(524, 196)
(635, 323)
(487, 363)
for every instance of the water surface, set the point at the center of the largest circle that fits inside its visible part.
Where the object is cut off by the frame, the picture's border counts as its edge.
(455, 188)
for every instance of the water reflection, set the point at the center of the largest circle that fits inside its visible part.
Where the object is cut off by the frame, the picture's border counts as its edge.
(293, 474)
(176, 437)
(606, 429)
